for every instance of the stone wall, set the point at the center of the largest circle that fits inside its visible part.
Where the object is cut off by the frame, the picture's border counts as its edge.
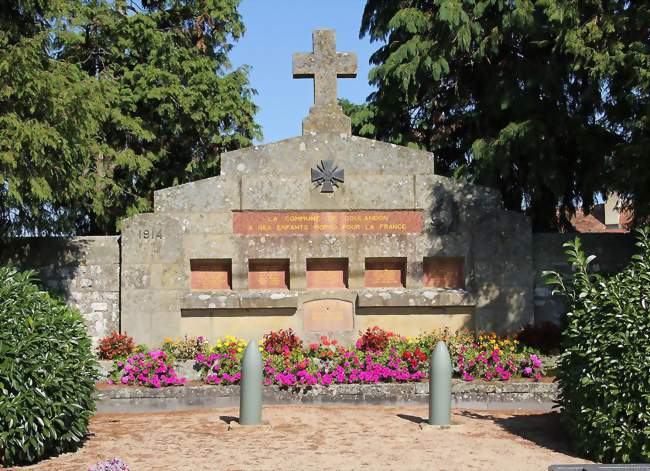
(196, 222)
(613, 252)
(86, 272)
(83, 270)
(475, 395)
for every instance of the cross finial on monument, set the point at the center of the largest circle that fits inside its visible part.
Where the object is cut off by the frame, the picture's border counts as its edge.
(325, 65)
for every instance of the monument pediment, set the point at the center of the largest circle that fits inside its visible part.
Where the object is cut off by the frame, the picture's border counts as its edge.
(298, 155)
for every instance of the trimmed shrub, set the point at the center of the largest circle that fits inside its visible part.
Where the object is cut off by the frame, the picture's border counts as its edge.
(47, 372)
(603, 372)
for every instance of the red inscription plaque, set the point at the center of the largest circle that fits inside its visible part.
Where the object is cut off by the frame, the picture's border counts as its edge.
(444, 272)
(327, 273)
(268, 274)
(209, 274)
(385, 273)
(326, 222)
(326, 315)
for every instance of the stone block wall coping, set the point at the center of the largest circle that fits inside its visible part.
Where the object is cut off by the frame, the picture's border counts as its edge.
(421, 297)
(239, 299)
(368, 297)
(476, 394)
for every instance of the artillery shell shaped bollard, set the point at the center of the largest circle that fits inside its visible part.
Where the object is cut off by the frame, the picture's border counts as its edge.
(439, 389)
(250, 392)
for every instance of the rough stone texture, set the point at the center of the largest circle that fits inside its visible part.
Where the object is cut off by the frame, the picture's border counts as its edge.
(475, 394)
(324, 65)
(358, 156)
(85, 271)
(613, 252)
(195, 221)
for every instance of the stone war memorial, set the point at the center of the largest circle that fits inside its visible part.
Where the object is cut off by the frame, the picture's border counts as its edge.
(326, 233)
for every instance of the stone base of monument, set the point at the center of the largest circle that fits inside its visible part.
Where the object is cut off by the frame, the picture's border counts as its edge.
(235, 426)
(426, 427)
(468, 395)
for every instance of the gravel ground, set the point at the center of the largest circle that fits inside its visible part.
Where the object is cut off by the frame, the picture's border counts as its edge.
(322, 437)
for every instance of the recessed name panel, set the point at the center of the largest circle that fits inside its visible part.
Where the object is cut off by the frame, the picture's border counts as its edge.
(326, 222)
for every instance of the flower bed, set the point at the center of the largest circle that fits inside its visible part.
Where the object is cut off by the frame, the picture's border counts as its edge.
(152, 369)
(378, 356)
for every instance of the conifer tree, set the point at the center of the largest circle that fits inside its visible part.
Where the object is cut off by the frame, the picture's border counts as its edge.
(546, 100)
(148, 100)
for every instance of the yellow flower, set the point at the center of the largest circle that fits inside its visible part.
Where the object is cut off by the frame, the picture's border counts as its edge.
(261, 349)
(167, 340)
(240, 349)
(219, 344)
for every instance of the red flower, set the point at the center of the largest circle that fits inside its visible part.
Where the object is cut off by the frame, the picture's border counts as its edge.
(420, 354)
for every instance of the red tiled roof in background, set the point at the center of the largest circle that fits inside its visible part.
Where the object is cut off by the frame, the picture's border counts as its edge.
(594, 221)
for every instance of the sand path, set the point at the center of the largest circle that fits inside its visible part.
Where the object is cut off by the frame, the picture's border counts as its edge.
(323, 437)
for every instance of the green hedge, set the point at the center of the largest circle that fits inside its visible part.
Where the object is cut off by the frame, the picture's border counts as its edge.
(604, 372)
(47, 372)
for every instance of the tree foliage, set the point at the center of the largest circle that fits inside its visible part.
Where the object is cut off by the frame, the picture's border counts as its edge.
(546, 100)
(602, 373)
(102, 102)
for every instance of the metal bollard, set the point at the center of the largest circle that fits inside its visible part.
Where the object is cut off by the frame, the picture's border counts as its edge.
(250, 392)
(440, 386)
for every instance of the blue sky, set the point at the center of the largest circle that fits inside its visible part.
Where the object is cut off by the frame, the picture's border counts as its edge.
(275, 29)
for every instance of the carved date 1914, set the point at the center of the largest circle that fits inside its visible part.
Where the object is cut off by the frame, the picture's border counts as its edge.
(150, 234)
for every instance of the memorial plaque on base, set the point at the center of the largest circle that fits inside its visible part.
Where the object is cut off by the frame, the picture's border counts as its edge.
(327, 315)
(327, 273)
(210, 274)
(268, 274)
(385, 273)
(444, 272)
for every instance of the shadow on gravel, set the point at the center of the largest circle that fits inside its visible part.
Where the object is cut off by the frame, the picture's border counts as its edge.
(228, 418)
(543, 430)
(412, 418)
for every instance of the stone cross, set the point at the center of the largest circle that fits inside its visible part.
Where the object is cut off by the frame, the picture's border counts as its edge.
(325, 65)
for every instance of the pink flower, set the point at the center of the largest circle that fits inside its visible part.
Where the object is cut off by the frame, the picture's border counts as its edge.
(537, 363)
(467, 376)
